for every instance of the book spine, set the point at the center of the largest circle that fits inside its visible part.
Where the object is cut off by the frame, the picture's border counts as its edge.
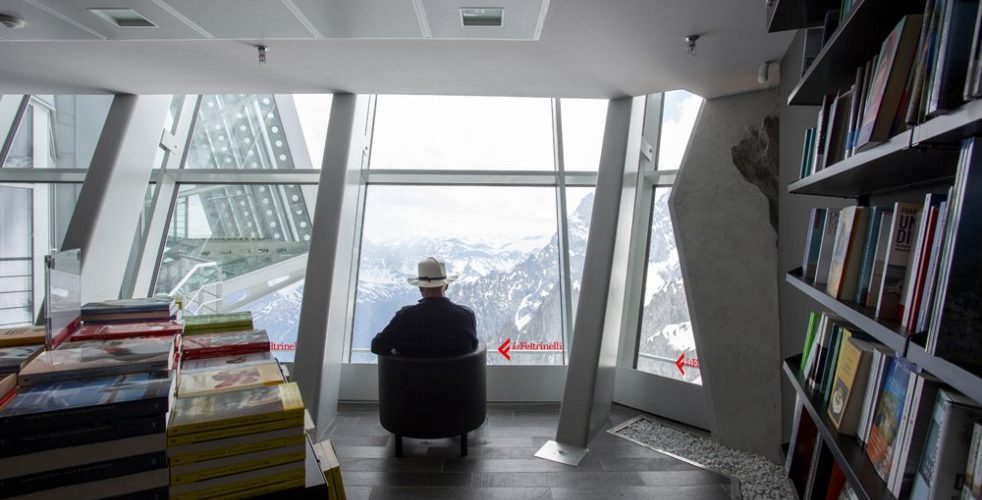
(295, 417)
(77, 417)
(254, 486)
(203, 474)
(29, 442)
(178, 458)
(217, 352)
(32, 483)
(243, 430)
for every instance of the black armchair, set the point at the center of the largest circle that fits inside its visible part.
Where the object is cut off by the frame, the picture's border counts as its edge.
(430, 398)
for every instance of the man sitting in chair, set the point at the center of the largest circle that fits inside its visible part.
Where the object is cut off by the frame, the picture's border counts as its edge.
(433, 327)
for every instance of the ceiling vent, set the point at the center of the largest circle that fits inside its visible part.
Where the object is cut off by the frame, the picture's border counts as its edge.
(482, 16)
(124, 18)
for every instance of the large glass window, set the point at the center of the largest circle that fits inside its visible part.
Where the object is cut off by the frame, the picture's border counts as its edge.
(58, 131)
(679, 114)
(33, 220)
(579, 209)
(458, 133)
(583, 132)
(666, 346)
(501, 240)
(259, 131)
(240, 247)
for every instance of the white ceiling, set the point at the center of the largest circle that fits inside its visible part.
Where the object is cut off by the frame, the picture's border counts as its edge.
(564, 48)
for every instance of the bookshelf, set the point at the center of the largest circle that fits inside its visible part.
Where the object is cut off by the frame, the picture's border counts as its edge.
(791, 14)
(846, 451)
(924, 156)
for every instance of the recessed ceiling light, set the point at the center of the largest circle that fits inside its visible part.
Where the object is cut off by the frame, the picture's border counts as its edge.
(481, 16)
(124, 18)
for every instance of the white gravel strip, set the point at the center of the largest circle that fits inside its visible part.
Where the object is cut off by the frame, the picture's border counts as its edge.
(759, 478)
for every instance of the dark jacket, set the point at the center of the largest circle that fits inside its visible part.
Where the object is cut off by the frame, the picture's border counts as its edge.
(434, 327)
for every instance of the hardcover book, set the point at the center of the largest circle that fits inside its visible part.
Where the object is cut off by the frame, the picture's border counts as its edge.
(205, 323)
(83, 473)
(98, 359)
(903, 228)
(129, 310)
(234, 464)
(229, 409)
(849, 388)
(872, 296)
(228, 379)
(825, 250)
(225, 343)
(252, 358)
(21, 336)
(889, 82)
(946, 450)
(869, 254)
(922, 391)
(813, 243)
(13, 359)
(847, 252)
(887, 419)
(954, 51)
(81, 402)
(126, 330)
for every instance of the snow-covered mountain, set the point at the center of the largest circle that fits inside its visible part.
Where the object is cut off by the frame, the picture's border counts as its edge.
(513, 287)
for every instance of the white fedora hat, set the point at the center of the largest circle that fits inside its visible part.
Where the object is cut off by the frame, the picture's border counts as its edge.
(431, 273)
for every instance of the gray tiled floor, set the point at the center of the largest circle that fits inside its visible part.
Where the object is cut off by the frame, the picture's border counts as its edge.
(501, 464)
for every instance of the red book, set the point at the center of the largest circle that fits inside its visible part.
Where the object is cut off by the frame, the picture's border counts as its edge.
(836, 482)
(921, 271)
(225, 344)
(127, 330)
(8, 388)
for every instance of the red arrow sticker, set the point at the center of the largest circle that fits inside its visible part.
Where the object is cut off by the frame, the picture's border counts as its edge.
(504, 348)
(679, 363)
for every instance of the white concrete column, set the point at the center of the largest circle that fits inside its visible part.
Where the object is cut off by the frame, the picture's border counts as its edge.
(111, 199)
(328, 298)
(593, 355)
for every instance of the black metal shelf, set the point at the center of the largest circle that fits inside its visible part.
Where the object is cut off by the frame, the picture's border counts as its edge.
(846, 450)
(952, 127)
(888, 333)
(887, 167)
(856, 41)
(787, 15)
(960, 379)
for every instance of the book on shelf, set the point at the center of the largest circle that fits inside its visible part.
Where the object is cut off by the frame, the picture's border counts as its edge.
(209, 323)
(812, 47)
(21, 336)
(919, 258)
(228, 379)
(280, 402)
(947, 448)
(826, 248)
(954, 50)
(847, 252)
(875, 284)
(922, 389)
(813, 320)
(975, 57)
(874, 382)
(930, 279)
(837, 481)
(889, 82)
(813, 243)
(902, 231)
(887, 419)
(14, 359)
(972, 483)
(869, 242)
(807, 154)
(108, 331)
(91, 359)
(253, 358)
(836, 129)
(224, 344)
(958, 297)
(849, 388)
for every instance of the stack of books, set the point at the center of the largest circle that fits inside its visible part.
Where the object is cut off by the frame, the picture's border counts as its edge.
(235, 343)
(327, 457)
(97, 358)
(129, 310)
(243, 442)
(92, 438)
(18, 346)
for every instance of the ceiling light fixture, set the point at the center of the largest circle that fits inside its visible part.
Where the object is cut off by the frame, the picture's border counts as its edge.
(11, 21)
(482, 16)
(263, 50)
(690, 44)
(124, 18)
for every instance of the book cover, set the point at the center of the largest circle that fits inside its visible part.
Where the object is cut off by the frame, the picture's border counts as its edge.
(228, 379)
(870, 240)
(879, 260)
(847, 253)
(916, 421)
(821, 130)
(954, 49)
(228, 409)
(947, 447)
(252, 358)
(225, 344)
(887, 419)
(235, 445)
(110, 331)
(890, 78)
(903, 228)
(806, 152)
(825, 250)
(13, 359)
(971, 79)
(959, 300)
(245, 484)
(99, 358)
(21, 336)
(931, 278)
(849, 389)
(93, 431)
(32, 483)
(918, 276)
(80, 402)
(127, 306)
(813, 320)
(813, 243)
(832, 359)
(234, 464)
(203, 323)
(921, 64)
